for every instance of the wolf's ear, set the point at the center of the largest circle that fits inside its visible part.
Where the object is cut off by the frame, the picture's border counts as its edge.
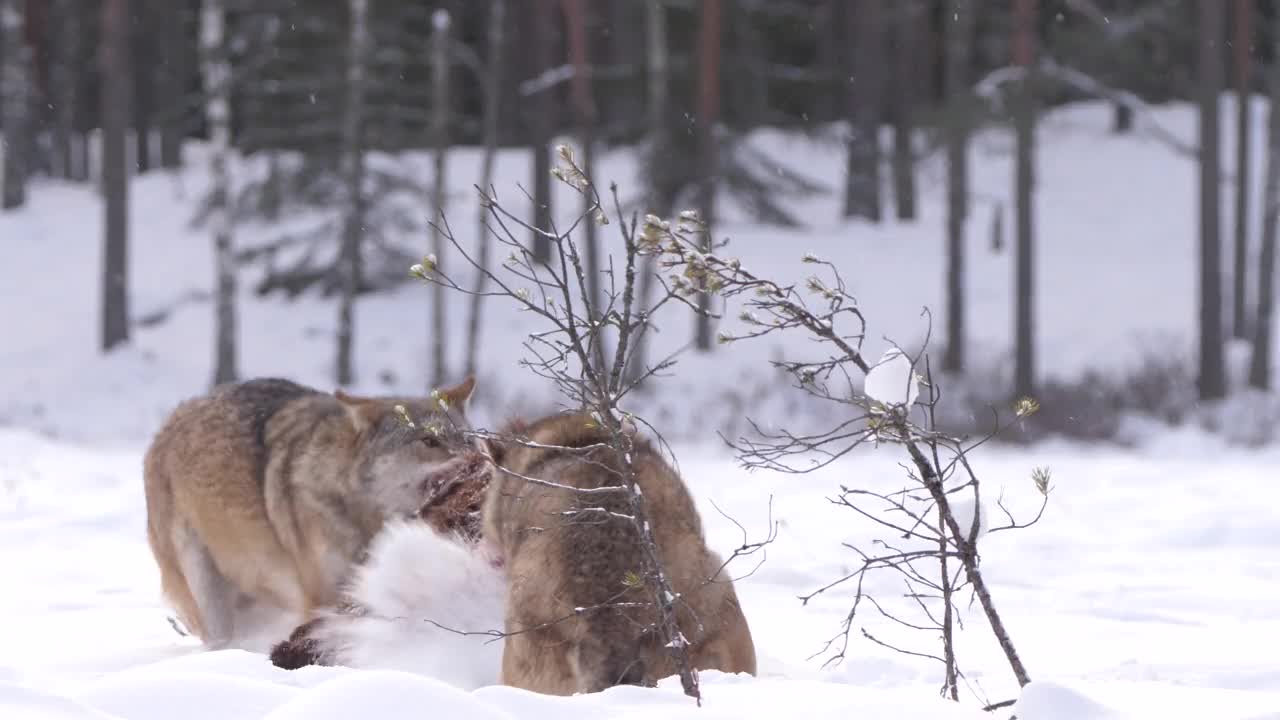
(359, 409)
(459, 395)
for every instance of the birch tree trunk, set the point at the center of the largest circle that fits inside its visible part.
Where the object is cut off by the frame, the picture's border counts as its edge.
(1264, 314)
(657, 59)
(114, 48)
(440, 141)
(708, 114)
(15, 83)
(217, 83)
(353, 174)
(492, 115)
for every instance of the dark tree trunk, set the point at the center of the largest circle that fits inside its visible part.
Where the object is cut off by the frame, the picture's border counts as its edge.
(906, 62)
(353, 123)
(1243, 27)
(542, 114)
(116, 81)
(624, 108)
(1210, 26)
(958, 37)
(862, 185)
(144, 64)
(173, 77)
(1024, 48)
(709, 29)
(63, 71)
(1121, 119)
(1264, 319)
(15, 93)
(440, 95)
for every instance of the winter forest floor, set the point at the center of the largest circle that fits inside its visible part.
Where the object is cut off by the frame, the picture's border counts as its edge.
(1147, 590)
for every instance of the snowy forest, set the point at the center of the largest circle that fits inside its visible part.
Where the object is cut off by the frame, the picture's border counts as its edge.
(880, 279)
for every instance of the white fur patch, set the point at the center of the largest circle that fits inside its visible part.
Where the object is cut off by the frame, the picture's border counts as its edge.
(416, 589)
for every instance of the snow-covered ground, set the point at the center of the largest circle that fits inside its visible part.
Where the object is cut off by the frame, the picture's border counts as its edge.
(1149, 589)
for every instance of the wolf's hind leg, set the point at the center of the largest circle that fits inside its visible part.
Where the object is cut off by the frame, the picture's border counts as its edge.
(214, 596)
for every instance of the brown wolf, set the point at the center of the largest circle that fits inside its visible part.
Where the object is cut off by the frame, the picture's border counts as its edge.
(569, 557)
(261, 495)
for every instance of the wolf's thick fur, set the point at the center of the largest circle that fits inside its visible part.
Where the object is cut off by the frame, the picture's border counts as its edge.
(262, 494)
(422, 601)
(560, 556)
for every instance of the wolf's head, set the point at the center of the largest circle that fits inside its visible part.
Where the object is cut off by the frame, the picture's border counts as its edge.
(403, 444)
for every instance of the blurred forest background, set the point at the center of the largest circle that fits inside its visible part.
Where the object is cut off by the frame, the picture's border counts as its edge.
(315, 95)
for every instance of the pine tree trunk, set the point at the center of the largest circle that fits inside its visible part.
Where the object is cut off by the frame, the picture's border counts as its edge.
(114, 48)
(862, 184)
(542, 115)
(440, 23)
(144, 64)
(62, 82)
(959, 38)
(906, 50)
(1242, 26)
(584, 110)
(353, 172)
(174, 81)
(217, 81)
(494, 83)
(1212, 377)
(15, 83)
(709, 29)
(624, 107)
(1264, 317)
(1024, 44)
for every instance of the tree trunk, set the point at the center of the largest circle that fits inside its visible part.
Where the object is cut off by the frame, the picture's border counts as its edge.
(959, 37)
(623, 108)
(1121, 119)
(63, 71)
(709, 28)
(659, 195)
(440, 22)
(584, 110)
(1264, 318)
(114, 48)
(353, 173)
(144, 63)
(217, 81)
(173, 122)
(1212, 377)
(862, 184)
(1024, 45)
(15, 91)
(492, 115)
(906, 48)
(1243, 27)
(542, 114)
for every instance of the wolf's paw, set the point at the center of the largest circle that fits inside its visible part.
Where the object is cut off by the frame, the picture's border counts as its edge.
(299, 651)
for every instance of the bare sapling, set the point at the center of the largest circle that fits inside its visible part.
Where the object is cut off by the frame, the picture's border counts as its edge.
(933, 524)
(567, 348)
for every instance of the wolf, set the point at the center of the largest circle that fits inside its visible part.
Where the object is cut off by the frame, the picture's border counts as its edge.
(262, 495)
(577, 618)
